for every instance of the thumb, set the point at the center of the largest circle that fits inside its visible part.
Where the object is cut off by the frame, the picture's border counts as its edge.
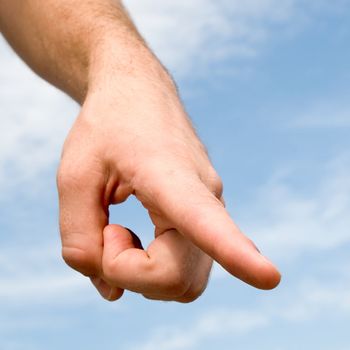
(118, 239)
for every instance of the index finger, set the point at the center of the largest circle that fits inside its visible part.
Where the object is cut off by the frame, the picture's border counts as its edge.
(195, 212)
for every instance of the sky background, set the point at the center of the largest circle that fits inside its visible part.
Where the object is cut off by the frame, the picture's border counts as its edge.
(267, 85)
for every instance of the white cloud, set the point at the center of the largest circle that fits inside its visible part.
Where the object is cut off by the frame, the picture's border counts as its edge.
(37, 290)
(310, 300)
(188, 35)
(37, 275)
(324, 120)
(191, 35)
(327, 114)
(212, 324)
(34, 120)
(288, 222)
(314, 299)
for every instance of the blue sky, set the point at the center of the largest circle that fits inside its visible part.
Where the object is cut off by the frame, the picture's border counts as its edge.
(267, 85)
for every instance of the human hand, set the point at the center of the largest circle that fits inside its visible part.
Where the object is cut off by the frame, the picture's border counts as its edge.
(133, 137)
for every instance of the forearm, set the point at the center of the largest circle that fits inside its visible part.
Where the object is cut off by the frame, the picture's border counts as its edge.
(77, 45)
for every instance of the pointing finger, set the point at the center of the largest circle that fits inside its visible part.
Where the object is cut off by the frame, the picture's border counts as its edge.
(195, 212)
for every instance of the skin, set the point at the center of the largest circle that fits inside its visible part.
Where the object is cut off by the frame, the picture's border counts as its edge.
(131, 137)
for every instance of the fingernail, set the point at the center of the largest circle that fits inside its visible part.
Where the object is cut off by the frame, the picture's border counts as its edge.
(257, 249)
(254, 245)
(135, 239)
(268, 261)
(115, 293)
(103, 288)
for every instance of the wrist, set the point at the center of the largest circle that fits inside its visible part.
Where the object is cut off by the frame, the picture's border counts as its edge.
(124, 63)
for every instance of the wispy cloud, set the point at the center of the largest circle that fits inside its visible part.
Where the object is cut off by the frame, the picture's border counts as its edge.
(326, 114)
(212, 324)
(289, 222)
(37, 275)
(190, 35)
(34, 120)
(324, 120)
(307, 301)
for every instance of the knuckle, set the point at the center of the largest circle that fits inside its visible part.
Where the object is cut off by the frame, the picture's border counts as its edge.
(76, 174)
(192, 294)
(110, 270)
(215, 183)
(69, 177)
(152, 297)
(82, 260)
(189, 298)
(176, 284)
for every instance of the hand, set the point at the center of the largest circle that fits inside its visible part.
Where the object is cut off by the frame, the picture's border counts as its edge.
(133, 137)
